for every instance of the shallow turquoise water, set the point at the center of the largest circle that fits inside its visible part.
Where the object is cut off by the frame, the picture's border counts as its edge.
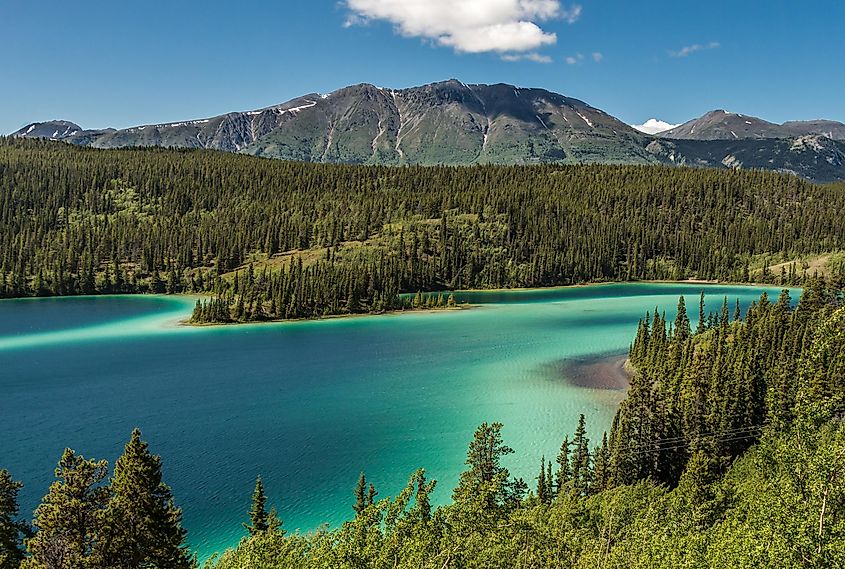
(308, 405)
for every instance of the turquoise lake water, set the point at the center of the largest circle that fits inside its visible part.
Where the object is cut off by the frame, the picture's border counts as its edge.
(308, 405)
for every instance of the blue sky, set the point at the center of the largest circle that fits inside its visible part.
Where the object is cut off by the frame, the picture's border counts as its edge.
(122, 63)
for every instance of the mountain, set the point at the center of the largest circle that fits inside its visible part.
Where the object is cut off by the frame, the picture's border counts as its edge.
(55, 130)
(831, 129)
(442, 123)
(654, 126)
(723, 125)
(458, 124)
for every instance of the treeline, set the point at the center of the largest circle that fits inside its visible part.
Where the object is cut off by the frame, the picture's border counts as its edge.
(85, 221)
(728, 452)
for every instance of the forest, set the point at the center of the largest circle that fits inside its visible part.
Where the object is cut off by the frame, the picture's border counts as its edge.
(266, 239)
(729, 451)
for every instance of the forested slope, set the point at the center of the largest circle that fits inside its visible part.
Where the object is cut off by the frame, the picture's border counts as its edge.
(283, 240)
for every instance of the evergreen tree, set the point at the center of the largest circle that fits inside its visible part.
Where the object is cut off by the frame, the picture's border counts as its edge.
(361, 498)
(581, 459)
(702, 317)
(563, 470)
(11, 529)
(541, 483)
(486, 477)
(142, 526)
(682, 325)
(69, 519)
(258, 516)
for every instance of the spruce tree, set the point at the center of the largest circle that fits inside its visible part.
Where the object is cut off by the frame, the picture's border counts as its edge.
(360, 494)
(258, 516)
(142, 526)
(581, 458)
(682, 326)
(542, 496)
(702, 317)
(486, 478)
(563, 470)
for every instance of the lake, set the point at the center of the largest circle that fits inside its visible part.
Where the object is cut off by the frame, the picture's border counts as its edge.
(309, 405)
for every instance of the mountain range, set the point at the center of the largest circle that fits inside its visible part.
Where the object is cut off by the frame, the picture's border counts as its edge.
(458, 124)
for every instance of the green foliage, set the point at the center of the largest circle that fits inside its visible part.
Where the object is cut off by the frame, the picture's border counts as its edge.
(11, 529)
(129, 523)
(719, 390)
(259, 519)
(70, 516)
(141, 525)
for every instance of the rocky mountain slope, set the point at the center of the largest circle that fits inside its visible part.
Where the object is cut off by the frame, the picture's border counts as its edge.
(441, 123)
(454, 123)
(723, 125)
(812, 156)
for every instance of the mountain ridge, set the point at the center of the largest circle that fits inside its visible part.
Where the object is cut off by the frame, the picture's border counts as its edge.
(448, 122)
(720, 124)
(454, 123)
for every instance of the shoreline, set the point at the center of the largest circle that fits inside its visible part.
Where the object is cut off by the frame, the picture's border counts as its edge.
(189, 324)
(461, 306)
(603, 372)
(606, 283)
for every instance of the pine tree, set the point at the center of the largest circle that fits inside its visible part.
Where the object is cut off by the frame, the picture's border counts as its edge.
(69, 518)
(258, 517)
(142, 526)
(422, 499)
(11, 529)
(601, 467)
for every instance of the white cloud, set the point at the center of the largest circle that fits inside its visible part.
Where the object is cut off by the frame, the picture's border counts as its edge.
(653, 126)
(574, 59)
(690, 49)
(571, 14)
(508, 27)
(597, 56)
(532, 56)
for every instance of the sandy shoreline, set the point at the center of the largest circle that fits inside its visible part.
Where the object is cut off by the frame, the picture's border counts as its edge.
(611, 373)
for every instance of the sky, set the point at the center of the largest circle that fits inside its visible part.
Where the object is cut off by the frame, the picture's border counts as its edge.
(129, 62)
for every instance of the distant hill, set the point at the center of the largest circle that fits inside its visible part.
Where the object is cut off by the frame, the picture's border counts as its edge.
(458, 124)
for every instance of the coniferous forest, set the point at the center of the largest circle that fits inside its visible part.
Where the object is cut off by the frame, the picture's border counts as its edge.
(729, 450)
(271, 240)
